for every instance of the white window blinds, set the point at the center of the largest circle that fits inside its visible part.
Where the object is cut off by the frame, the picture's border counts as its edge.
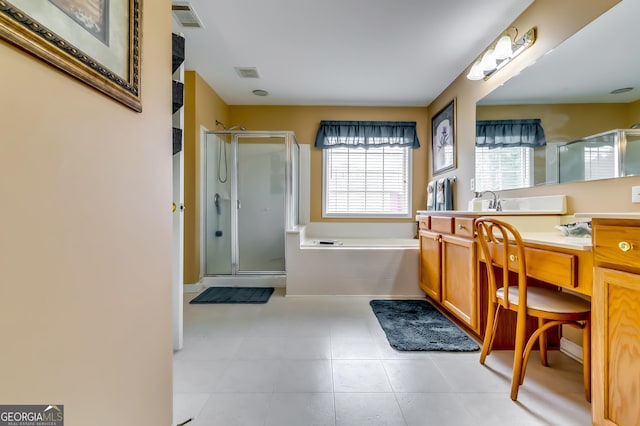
(599, 161)
(504, 168)
(371, 182)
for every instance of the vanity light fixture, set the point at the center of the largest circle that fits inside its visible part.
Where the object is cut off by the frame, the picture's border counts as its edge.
(496, 57)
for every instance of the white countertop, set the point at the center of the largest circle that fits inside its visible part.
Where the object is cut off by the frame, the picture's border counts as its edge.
(420, 213)
(612, 215)
(557, 240)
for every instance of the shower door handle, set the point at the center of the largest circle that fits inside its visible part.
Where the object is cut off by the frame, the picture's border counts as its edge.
(238, 204)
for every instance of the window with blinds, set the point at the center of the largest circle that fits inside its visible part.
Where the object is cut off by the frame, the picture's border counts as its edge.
(504, 168)
(371, 182)
(599, 161)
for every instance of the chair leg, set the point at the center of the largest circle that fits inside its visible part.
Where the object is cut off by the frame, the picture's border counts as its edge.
(518, 354)
(586, 358)
(492, 321)
(542, 342)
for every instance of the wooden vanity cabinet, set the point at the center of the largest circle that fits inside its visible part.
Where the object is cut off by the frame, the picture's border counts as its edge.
(448, 266)
(616, 322)
(430, 263)
(459, 289)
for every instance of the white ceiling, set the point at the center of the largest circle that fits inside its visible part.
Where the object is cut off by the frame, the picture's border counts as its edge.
(341, 52)
(600, 58)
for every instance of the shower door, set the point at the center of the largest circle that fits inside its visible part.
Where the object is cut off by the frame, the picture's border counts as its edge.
(247, 182)
(261, 204)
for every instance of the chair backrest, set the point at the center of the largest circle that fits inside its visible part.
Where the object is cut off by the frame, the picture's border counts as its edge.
(502, 245)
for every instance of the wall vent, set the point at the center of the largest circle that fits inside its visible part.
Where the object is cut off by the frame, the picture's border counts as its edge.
(247, 72)
(185, 14)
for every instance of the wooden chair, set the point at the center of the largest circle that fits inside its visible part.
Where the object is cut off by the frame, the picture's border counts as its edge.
(501, 245)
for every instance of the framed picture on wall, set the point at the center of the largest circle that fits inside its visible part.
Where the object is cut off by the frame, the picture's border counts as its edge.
(96, 41)
(443, 139)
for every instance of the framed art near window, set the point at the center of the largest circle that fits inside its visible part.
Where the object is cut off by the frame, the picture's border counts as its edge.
(96, 41)
(443, 139)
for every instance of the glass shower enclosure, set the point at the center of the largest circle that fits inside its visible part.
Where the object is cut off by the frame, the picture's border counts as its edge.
(615, 153)
(250, 196)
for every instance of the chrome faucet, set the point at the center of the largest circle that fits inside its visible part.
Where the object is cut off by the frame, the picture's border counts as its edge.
(493, 204)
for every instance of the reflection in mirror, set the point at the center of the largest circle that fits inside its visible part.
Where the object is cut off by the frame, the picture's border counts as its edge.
(603, 156)
(574, 91)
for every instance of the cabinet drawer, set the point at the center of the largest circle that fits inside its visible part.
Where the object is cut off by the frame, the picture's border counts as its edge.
(424, 222)
(617, 245)
(442, 224)
(544, 265)
(552, 267)
(463, 226)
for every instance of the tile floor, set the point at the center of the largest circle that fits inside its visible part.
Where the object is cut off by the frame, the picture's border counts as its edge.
(325, 361)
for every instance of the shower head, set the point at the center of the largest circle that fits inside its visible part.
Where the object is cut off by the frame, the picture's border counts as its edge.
(220, 123)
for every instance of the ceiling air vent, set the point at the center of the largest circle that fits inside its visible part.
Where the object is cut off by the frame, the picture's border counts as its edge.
(185, 14)
(247, 72)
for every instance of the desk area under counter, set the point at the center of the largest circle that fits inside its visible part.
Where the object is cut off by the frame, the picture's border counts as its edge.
(452, 270)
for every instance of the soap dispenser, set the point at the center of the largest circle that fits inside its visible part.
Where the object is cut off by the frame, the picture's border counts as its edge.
(475, 204)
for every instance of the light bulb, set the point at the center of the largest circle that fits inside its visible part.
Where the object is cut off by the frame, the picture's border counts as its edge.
(476, 73)
(488, 62)
(503, 48)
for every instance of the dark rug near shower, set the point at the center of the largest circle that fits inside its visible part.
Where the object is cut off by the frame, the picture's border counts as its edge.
(234, 295)
(415, 325)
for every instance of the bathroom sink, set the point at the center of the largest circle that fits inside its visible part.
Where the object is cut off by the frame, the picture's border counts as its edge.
(551, 204)
(529, 206)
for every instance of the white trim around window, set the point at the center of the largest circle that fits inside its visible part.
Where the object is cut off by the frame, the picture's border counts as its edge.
(367, 183)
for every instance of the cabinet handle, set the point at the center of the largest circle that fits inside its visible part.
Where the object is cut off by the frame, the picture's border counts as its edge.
(513, 257)
(625, 246)
(460, 227)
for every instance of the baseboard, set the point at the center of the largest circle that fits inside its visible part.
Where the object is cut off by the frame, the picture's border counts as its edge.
(571, 349)
(372, 296)
(277, 281)
(193, 288)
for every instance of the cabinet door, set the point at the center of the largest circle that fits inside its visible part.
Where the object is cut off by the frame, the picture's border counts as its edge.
(430, 256)
(459, 293)
(616, 347)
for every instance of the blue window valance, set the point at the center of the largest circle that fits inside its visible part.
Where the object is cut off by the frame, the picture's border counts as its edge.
(510, 133)
(366, 134)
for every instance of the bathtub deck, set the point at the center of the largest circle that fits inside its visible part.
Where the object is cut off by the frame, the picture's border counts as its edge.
(370, 243)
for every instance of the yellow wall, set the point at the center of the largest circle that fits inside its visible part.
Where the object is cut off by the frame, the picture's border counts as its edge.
(564, 122)
(305, 120)
(202, 108)
(555, 22)
(634, 113)
(85, 246)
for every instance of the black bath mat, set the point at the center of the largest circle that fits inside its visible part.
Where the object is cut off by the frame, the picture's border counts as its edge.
(415, 325)
(234, 295)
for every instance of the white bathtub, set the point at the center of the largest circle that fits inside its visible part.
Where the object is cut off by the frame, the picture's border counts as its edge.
(354, 265)
(372, 243)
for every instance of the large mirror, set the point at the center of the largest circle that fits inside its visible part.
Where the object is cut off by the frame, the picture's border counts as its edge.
(582, 93)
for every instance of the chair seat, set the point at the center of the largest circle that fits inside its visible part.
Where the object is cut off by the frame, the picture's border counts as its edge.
(543, 299)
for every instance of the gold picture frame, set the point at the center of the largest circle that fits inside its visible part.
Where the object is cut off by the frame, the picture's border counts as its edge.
(96, 41)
